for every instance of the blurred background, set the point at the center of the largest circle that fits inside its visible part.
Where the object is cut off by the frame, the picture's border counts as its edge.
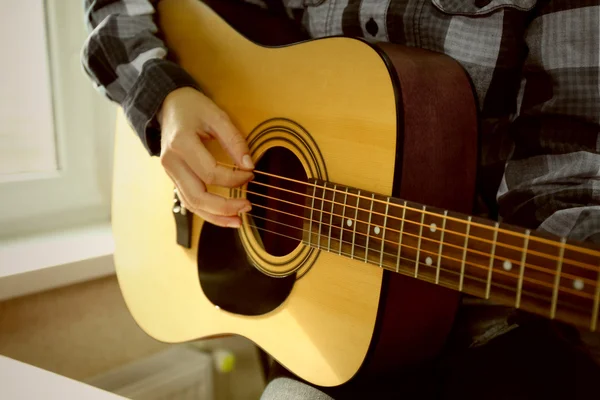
(60, 305)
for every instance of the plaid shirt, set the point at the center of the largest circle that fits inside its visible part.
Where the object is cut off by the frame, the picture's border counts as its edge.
(534, 65)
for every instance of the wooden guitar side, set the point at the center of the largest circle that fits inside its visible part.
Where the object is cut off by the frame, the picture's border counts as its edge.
(341, 92)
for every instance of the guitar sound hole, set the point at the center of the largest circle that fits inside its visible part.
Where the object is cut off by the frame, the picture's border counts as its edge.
(278, 204)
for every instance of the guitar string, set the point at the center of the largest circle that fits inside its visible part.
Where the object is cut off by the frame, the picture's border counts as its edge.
(429, 279)
(499, 244)
(472, 251)
(421, 211)
(479, 266)
(472, 223)
(407, 272)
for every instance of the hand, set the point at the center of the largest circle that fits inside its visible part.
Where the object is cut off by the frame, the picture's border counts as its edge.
(188, 118)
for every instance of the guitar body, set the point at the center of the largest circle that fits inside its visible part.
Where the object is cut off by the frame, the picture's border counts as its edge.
(387, 119)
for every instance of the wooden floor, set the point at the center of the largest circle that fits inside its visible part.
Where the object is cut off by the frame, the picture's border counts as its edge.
(83, 330)
(246, 381)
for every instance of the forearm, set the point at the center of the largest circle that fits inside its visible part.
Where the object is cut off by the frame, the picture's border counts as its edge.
(126, 62)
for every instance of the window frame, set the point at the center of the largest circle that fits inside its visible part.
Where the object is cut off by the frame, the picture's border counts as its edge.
(78, 193)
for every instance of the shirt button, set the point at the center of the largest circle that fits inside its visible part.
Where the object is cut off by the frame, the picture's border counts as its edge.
(372, 27)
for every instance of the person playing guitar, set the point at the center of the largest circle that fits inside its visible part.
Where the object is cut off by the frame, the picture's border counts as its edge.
(534, 67)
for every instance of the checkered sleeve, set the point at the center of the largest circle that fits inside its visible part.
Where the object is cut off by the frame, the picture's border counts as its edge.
(126, 62)
(552, 179)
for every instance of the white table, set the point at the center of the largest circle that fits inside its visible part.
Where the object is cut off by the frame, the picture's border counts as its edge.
(23, 381)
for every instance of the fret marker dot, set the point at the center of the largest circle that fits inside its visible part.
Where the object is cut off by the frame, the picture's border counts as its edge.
(433, 227)
(377, 230)
(578, 284)
(428, 261)
(349, 222)
(507, 265)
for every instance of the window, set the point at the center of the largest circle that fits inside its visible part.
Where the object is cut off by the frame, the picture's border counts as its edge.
(56, 131)
(27, 144)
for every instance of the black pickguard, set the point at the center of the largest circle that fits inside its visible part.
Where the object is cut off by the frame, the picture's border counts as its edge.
(228, 279)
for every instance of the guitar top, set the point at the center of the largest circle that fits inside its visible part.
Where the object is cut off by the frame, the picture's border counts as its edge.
(360, 240)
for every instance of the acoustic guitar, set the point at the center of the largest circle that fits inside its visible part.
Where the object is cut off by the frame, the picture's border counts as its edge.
(359, 243)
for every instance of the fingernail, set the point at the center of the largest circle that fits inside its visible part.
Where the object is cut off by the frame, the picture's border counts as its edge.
(246, 209)
(247, 162)
(235, 224)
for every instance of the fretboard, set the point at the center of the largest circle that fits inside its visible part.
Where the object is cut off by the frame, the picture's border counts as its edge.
(539, 273)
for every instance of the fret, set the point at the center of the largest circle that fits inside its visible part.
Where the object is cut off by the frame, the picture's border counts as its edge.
(439, 261)
(312, 208)
(418, 258)
(505, 275)
(557, 278)
(355, 223)
(522, 272)
(578, 286)
(369, 228)
(596, 305)
(343, 220)
(491, 267)
(480, 258)
(387, 206)
(321, 218)
(464, 256)
(331, 219)
(400, 238)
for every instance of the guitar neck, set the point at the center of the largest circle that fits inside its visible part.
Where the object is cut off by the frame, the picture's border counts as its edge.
(539, 273)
